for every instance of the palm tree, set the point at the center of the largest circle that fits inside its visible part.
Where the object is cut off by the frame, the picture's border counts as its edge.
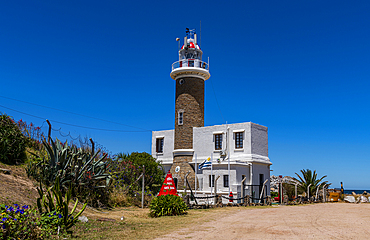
(309, 178)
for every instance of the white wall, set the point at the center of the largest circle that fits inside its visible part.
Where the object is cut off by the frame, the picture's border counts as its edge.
(259, 141)
(254, 151)
(264, 169)
(168, 146)
(255, 142)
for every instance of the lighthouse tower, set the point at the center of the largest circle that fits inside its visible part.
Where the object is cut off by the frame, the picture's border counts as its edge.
(190, 73)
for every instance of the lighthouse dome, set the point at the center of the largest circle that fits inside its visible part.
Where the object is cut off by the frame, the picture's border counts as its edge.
(191, 44)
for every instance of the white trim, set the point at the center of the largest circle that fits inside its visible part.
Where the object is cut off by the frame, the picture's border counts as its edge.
(159, 137)
(186, 152)
(238, 130)
(190, 72)
(218, 132)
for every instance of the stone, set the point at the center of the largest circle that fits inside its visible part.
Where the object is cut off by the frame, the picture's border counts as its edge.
(83, 219)
(350, 199)
(363, 199)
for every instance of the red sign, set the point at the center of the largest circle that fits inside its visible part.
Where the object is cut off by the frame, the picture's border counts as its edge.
(168, 186)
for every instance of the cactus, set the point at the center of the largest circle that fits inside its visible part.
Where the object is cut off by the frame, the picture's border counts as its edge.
(72, 166)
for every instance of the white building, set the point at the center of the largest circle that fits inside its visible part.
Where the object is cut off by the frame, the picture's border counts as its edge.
(237, 151)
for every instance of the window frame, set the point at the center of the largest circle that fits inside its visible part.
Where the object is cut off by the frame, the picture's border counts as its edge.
(226, 180)
(218, 141)
(239, 140)
(159, 144)
(180, 117)
(210, 182)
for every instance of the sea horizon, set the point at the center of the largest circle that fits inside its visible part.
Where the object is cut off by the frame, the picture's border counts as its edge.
(355, 191)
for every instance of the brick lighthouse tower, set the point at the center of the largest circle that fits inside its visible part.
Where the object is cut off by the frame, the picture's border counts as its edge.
(190, 73)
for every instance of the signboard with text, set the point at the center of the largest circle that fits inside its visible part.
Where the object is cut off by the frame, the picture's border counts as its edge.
(168, 186)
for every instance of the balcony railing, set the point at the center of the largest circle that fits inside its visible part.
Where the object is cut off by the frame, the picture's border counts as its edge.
(196, 63)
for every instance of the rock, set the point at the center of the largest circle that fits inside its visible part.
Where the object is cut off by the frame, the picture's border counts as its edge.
(350, 199)
(83, 219)
(363, 199)
(122, 218)
(5, 171)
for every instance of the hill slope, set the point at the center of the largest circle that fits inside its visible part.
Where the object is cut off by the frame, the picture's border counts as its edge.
(16, 187)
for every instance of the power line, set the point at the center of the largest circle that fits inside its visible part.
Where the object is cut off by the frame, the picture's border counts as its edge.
(69, 124)
(78, 114)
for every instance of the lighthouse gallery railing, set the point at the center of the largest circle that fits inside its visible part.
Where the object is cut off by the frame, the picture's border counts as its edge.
(196, 63)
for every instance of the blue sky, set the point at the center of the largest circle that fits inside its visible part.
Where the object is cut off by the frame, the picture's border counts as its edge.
(301, 68)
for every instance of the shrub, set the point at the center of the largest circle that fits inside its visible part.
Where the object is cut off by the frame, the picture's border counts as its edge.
(167, 205)
(12, 142)
(126, 169)
(274, 194)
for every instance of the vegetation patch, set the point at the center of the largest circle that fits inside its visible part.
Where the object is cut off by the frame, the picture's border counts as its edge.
(167, 205)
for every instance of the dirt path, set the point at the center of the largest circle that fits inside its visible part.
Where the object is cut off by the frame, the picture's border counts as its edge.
(318, 221)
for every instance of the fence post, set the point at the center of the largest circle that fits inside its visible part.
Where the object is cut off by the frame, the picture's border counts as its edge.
(142, 189)
(92, 147)
(49, 133)
(215, 200)
(242, 189)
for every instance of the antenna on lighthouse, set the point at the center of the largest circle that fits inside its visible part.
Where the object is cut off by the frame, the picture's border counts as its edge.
(178, 40)
(200, 33)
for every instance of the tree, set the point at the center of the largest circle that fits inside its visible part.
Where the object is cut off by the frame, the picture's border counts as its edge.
(130, 167)
(309, 178)
(12, 142)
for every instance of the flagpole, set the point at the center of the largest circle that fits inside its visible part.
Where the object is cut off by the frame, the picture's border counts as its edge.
(211, 173)
(196, 172)
(228, 168)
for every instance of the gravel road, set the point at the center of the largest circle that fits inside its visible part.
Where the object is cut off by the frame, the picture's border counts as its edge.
(314, 221)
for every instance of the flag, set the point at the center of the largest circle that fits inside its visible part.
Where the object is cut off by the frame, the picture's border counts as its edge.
(205, 164)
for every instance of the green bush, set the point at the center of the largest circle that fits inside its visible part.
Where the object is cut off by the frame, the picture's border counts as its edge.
(52, 202)
(274, 194)
(167, 205)
(12, 142)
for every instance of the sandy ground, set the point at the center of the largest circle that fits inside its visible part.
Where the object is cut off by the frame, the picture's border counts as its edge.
(315, 221)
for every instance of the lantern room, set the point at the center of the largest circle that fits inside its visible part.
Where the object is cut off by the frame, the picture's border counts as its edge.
(190, 58)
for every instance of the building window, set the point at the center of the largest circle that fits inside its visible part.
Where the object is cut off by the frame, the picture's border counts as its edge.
(211, 181)
(239, 140)
(218, 141)
(180, 117)
(226, 180)
(159, 145)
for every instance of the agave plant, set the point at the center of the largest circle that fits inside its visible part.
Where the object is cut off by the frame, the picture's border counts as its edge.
(72, 166)
(52, 200)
